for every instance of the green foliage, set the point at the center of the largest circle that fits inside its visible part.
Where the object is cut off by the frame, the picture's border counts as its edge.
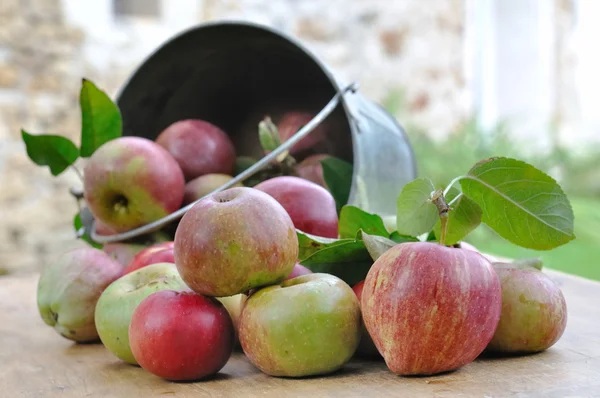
(337, 174)
(353, 219)
(416, 214)
(463, 217)
(521, 203)
(100, 118)
(53, 151)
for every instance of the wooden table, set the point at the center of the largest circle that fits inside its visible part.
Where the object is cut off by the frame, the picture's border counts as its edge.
(36, 362)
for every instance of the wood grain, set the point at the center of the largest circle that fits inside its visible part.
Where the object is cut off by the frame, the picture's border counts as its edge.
(35, 362)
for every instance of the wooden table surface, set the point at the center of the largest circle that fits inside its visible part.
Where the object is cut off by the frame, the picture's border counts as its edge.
(36, 362)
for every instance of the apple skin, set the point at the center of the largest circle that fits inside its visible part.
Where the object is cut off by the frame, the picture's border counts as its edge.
(123, 253)
(298, 270)
(120, 299)
(199, 147)
(291, 122)
(233, 241)
(132, 181)
(366, 347)
(234, 306)
(158, 253)
(534, 311)
(307, 326)
(181, 335)
(203, 185)
(430, 308)
(69, 288)
(310, 206)
(311, 169)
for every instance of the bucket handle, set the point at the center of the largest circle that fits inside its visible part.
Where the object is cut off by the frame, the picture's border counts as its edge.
(249, 172)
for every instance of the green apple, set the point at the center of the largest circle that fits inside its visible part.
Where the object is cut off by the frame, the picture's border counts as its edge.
(69, 288)
(121, 298)
(308, 325)
(234, 305)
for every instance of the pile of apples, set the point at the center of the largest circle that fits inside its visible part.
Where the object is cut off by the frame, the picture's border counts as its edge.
(231, 274)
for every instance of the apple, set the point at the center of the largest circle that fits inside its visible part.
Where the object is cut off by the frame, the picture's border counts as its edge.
(468, 246)
(310, 206)
(158, 253)
(291, 122)
(534, 311)
(203, 185)
(234, 305)
(69, 288)
(311, 169)
(299, 270)
(181, 335)
(233, 241)
(366, 347)
(430, 308)
(199, 147)
(123, 253)
(131, 181)
(120, 299)
(307, 326)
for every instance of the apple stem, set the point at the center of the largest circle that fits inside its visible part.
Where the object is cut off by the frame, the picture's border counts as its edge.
(78, 172)
(438, 199)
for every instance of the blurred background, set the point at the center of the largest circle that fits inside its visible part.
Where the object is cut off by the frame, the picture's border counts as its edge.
(468, 79)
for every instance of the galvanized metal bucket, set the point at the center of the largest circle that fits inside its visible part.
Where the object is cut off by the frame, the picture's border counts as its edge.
(232, 74)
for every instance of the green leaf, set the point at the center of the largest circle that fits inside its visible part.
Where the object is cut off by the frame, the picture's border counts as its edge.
(53, 151)
(464, 216)
(376, 245)
(347, 259)
(524, 264)
(396, 237)
(353, 219)
(521, 203)
(338, 178)
(416, 214)
(100, 118)
(268, 135)
(80, 229)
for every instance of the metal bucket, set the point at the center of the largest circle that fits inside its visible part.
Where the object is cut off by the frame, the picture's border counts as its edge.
(232, 74)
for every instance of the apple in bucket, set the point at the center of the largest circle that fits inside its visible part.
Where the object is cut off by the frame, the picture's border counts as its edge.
(430, 308)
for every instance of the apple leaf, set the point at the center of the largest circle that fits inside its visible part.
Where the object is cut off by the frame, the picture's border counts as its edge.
(81, 229)
(338, 179)
(524, 264)
(416, 214)
(100, 118)
(398, 238)
(268, 135)
(353, 219)
(376, 245)
(348, 259)
(464, 216)
(53, 151)
(521, 203)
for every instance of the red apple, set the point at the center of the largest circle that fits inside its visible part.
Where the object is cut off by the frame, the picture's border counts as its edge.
(298, 271)
(311, 169)
(311, 207)
(291, 122)
(366, 347)
(158, 253)
(181, 336)
(130, 182)
(534, 311)
(233, 241)
(203, 185)
(430, 308)
(199, 147)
